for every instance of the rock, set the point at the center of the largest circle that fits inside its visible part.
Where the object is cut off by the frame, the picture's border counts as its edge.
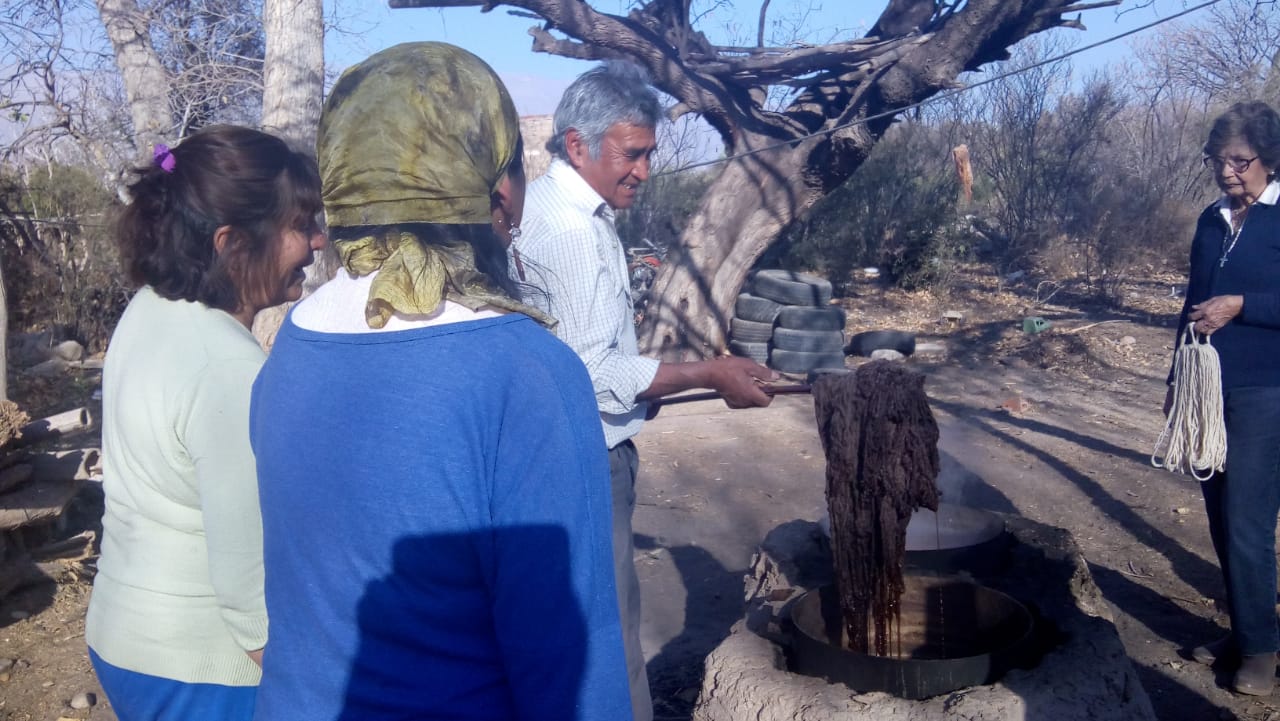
(48, 369)
(83, 700)
(68, 350)
(1017, 405)
(886, 354)
(1128, 340)
(28, 349)
(930, 348)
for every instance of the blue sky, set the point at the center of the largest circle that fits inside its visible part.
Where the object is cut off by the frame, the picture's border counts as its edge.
(537, 79)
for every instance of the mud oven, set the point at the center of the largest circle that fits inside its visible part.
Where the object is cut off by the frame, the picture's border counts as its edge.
(1000, 621)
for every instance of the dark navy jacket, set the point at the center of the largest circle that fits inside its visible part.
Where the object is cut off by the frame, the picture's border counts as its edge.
(1249, 345)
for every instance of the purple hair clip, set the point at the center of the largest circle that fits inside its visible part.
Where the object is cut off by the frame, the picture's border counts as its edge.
(163, 158)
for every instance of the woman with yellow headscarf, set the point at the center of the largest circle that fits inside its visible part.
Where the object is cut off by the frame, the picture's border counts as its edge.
(435, 504)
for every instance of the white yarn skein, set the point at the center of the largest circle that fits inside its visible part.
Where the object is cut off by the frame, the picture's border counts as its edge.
(1194, 439)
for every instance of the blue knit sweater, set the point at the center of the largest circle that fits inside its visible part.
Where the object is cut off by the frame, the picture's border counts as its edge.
(1249, 345)
(436, 524)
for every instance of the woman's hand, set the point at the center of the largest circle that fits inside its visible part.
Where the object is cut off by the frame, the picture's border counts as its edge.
(1216, 312)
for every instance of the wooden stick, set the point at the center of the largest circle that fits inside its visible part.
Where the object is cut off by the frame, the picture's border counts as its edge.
(54, 426)
(713, 395)
(1087, 327)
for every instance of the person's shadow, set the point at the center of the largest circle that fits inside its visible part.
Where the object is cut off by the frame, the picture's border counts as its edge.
(713, 603)
(515, 647)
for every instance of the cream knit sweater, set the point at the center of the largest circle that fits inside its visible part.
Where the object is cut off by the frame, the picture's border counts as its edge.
(179, 587)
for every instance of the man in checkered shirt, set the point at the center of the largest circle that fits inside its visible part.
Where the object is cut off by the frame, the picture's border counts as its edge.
(569, 250)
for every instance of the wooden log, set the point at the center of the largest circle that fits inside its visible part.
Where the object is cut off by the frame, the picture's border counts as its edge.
(19, 572)
(14, 476)
(55, 480)
(55, 426)
(79, 464)
(75, 548)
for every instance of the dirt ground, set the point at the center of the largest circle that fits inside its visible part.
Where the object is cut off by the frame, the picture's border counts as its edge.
(1057, 427)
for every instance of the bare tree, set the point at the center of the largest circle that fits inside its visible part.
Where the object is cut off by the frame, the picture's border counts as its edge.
(186, 64)
(844, 95)
(293, 69)
(145, 80)
(293, 93)
(1232, 55)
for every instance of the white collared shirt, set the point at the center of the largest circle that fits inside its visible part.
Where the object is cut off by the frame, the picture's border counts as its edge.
(1270, 196)
(570, 251)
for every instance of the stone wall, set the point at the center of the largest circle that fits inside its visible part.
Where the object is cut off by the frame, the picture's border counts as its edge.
(536, 130)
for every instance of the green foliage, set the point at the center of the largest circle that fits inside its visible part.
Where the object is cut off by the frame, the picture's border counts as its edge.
(897, 212)
(61, 266)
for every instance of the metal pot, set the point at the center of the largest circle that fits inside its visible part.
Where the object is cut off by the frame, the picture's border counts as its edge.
(954, 539)
(953, 634)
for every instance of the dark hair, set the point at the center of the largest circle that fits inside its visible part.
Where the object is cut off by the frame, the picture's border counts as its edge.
(1254, 122)
(222, 175)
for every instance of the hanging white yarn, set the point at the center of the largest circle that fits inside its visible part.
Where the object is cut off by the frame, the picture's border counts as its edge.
(1194, 439)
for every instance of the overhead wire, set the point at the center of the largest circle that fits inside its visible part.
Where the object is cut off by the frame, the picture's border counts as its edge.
(940, 96)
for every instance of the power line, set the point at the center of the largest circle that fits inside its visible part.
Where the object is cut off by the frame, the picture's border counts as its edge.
(941, 96)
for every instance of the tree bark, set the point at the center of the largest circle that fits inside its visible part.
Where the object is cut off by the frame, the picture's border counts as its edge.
(293, 69)
(292, 96)
(743, 211)
(146, 83)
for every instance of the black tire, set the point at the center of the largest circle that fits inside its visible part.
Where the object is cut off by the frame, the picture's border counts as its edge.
(753, 307)
(749, 331)
(758, 352)
(811, 341)
(865, 343)
(795, 361)
(803, 318)
(791, 288)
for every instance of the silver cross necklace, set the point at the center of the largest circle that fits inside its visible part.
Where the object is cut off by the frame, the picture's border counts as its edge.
(1237, 225)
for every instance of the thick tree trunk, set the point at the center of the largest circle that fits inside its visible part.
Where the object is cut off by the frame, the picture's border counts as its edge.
(145, 81)
(744, 210)
(292, 95)
(293, 69)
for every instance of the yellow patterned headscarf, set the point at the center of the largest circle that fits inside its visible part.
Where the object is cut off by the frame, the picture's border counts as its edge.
(418, 133)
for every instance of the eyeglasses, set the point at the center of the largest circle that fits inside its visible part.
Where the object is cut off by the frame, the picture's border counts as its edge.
(1237, 165)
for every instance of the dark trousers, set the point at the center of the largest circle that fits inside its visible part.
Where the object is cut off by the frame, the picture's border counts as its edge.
(1242, 505)
(624, 462)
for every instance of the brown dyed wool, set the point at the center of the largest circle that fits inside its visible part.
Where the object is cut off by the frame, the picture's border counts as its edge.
(881, 443)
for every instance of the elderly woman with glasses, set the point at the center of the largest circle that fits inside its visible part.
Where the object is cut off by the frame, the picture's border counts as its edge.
(1234, 298)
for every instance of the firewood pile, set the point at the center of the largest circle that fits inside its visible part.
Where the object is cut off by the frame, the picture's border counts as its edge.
(35, 489)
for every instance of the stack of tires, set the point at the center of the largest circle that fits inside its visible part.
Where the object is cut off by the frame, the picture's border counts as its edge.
(786, 321)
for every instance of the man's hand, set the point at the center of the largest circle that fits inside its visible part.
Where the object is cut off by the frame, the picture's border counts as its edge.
(738, 381)
(1216, 312)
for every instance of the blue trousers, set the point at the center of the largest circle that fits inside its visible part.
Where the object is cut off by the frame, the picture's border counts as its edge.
(1242, 505)
(139, 697)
